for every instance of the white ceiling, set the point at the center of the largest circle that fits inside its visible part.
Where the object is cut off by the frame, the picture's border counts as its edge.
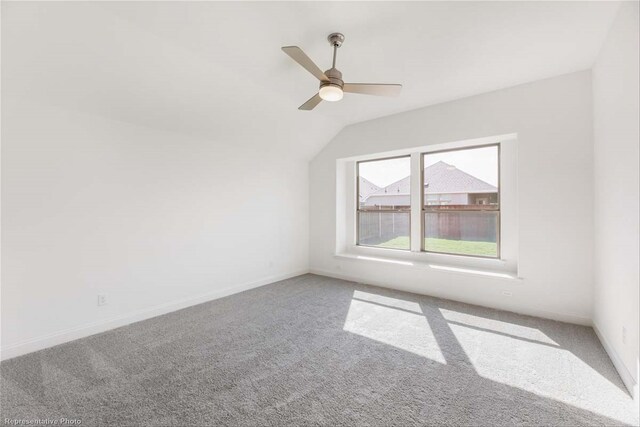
(216, 69)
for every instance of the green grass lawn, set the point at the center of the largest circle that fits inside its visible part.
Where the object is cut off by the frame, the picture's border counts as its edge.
(461, 247)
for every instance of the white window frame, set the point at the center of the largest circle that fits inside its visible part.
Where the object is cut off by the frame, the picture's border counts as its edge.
(359, 211)
(424, 209)
(346, 206)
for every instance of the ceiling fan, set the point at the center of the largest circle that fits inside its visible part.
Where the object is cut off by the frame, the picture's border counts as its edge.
(332, 87)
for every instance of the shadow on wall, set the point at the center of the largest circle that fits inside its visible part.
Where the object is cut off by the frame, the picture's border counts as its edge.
(314, 350)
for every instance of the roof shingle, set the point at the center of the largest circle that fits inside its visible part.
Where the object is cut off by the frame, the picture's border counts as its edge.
(440, 178)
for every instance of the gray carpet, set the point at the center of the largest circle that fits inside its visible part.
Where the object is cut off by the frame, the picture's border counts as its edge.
(321, 351)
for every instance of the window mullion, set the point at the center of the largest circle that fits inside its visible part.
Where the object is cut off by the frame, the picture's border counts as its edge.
(416, 202)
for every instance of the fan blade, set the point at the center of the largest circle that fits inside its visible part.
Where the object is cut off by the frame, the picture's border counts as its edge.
(311, 103)
(301, 58)
(373, 89)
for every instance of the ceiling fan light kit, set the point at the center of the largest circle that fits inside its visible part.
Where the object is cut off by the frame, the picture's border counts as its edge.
(330, 92)
(332, 87)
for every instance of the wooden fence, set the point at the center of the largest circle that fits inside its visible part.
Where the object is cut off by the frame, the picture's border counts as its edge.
(463, 224)
(377, 227)
(479, 226)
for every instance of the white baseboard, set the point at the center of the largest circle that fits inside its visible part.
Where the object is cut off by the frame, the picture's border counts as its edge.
(86, 330)
(624, 373)
(528, 311)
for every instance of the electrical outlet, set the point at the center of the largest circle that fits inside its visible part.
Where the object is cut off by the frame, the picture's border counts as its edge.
(507, 293)
(624, 335)
(102, 299)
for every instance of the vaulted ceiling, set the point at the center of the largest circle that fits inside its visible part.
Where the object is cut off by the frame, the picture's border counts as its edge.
(215, 69)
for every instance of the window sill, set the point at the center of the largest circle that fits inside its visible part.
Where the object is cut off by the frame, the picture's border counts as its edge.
(432, 266)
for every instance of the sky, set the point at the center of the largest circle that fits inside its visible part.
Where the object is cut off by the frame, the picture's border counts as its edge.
(479, 162)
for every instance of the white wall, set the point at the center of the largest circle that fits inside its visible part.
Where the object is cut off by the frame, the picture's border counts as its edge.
(155, 220)
(616, 137)
(553, 122)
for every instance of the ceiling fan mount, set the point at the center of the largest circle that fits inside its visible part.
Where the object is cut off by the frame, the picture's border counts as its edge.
(336, 39)
(332, 87)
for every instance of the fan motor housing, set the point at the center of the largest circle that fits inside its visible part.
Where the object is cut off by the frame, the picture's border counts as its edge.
(335, 78)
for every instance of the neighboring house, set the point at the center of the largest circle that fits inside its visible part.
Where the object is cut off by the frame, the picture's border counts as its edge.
(444, 185)
(366, 188)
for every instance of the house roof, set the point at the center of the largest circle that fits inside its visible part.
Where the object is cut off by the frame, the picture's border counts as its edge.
(441, 178)
(366, 188)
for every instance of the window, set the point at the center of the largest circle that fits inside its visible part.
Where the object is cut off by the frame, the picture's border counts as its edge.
(454, 200)
(384, 203)
(461, 201)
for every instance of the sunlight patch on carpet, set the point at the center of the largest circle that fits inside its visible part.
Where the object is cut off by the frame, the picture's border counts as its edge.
(395, 322)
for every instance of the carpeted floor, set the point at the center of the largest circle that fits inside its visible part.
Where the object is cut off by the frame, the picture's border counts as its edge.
(315, 350)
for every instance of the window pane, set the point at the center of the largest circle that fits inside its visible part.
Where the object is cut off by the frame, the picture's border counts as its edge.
(385, 184)
(384, 203)
(462, 177)
(462, 202)
(384, 229)
(463, 233)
